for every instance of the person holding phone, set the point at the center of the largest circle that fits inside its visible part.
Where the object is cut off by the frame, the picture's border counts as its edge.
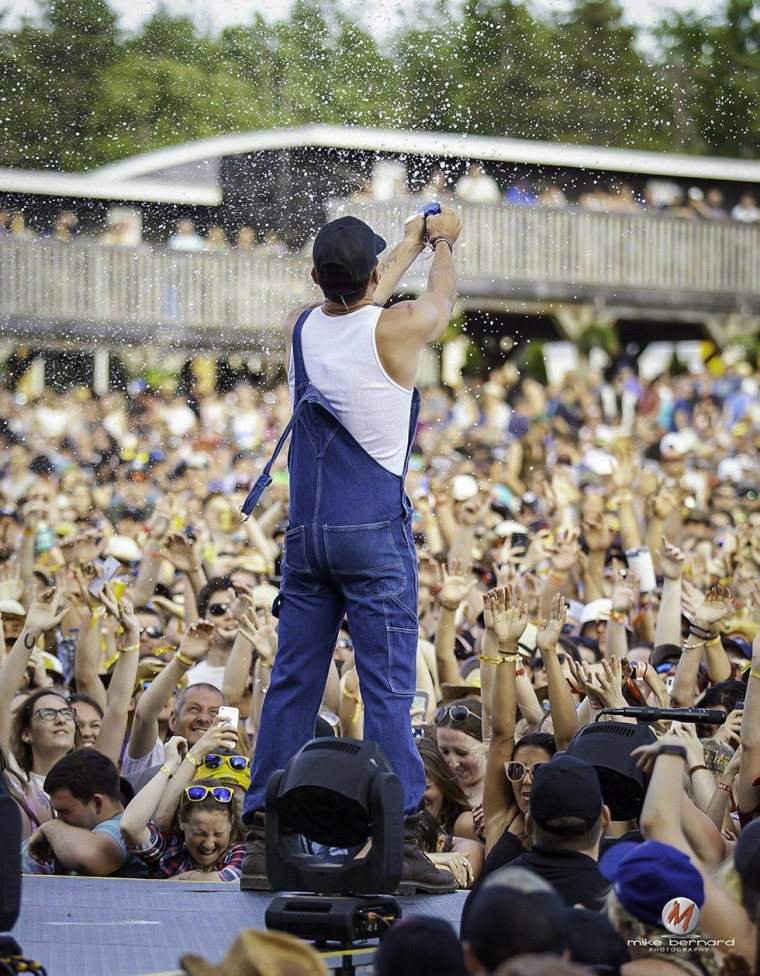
(349, 549)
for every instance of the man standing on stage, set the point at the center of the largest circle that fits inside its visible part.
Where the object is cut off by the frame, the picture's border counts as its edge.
(349, 549)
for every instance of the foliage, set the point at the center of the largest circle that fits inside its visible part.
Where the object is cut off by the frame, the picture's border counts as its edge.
(75, 92)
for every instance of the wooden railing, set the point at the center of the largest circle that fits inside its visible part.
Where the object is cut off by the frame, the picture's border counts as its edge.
(230, 299)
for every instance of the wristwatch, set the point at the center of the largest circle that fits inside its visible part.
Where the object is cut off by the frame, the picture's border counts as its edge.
(669, 749)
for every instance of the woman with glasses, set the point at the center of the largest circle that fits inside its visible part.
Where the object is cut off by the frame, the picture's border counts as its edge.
(459, 736)
(204, 842)
(44, 730)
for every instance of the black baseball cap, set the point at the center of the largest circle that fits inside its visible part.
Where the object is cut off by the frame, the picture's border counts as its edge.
(345, 253)
(566, 787)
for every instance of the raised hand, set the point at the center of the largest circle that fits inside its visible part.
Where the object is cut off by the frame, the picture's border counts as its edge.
(550, 630)
(261, 630)
(241, 601)
(46, 612)
(510, 618)
(182, 552)
(175, 750)
(456, 586)
(197, 639)
(717, 607)
(596, 533)
(11, 585)
(565, 553)
(623, 593)
(671, 560)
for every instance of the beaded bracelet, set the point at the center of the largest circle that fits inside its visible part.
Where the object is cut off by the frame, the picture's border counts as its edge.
(699, 766)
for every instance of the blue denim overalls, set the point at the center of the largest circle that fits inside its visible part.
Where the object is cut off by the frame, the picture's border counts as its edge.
(349, 551)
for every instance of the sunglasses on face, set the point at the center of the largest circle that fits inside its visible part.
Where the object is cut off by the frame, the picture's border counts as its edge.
(153, 632)
(344, 644)
(516, 770)
(212, 761)
(197, 793)
(218, 609)
(457, 713)
(51, 714)
(664, 668)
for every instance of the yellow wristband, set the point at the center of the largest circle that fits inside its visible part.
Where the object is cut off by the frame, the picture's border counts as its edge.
(490, 660)
(754, 673)
(169, 772)
(510, 658)
(130, 649)
(264, 664)
(192, 760)
(359, 704)
(184, 660)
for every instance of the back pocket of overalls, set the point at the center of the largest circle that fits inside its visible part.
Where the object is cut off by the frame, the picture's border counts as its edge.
(294, 553)
(364, 559)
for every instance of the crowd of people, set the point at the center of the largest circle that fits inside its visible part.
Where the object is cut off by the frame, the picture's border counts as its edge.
(586, 545)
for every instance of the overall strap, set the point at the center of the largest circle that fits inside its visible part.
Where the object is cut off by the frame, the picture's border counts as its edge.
(299, 367)
(264, 480)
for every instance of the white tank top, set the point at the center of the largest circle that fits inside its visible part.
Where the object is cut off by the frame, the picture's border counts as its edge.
(342, 361)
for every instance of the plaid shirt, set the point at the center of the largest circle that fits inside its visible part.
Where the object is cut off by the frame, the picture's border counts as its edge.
(167, 852)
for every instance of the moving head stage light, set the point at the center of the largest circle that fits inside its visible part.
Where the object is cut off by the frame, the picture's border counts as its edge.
(334, 830)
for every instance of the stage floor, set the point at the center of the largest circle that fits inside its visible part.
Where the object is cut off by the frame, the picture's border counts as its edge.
(112, 927)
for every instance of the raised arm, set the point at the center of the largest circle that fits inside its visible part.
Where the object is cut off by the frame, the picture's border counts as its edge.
(668, 627)
(394, 266)
(111, 736)
(564, 717)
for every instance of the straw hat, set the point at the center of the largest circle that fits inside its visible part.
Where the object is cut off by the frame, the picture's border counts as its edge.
(260, 954)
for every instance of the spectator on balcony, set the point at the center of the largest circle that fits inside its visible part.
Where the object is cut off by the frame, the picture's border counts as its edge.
(552, 196)
(746, 210)
(709, 206)
(19, 228)
(117, 233)
(64, 226)
(216, 239)
(246, 239)
(185, 237)
(436, 188)
(477, 186)
(521, 194)
(4, 226)
(622, 199)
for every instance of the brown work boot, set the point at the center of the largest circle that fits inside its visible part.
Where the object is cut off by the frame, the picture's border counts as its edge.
(419, 874)
(254, 876)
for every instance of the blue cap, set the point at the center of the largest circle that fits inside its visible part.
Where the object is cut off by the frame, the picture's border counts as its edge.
(645, 877)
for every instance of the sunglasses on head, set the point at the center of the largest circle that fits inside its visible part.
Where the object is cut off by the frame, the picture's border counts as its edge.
(218, 609)
(457, 713)
(516, 770)
(196, 793)
(213, 761)
(153, 632)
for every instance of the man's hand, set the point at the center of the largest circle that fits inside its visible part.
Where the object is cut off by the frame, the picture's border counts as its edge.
(716, 607)
(509, 619)
(596, 534)
(39, 848)
(445, 224)
(218, 737)
(196, 640)
(456, 586)
(415, 229)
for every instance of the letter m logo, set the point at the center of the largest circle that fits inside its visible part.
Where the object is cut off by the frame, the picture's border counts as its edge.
(681, 919)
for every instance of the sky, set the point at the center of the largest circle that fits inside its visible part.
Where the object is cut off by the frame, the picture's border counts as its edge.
(215, 14)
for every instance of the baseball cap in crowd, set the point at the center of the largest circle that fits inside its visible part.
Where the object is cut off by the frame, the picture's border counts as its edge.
(645, 877)
(260, 954)
(593, 941)
(565, 787)
(663, 653)
(503, 922)
(345, 253)
(747, 864)
(420, 945)
(673, 444)
(596, 610)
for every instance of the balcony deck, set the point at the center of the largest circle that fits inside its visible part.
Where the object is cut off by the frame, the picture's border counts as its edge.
(511, 259)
